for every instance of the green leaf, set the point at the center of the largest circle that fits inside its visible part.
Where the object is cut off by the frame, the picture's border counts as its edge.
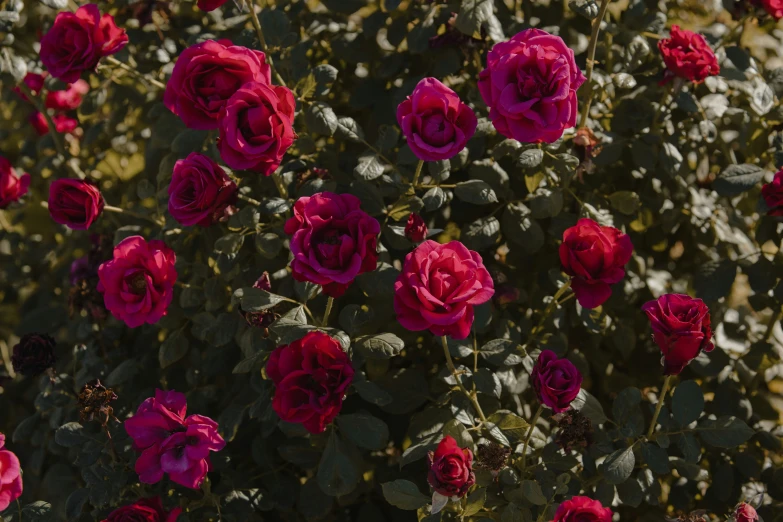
(268, 244)
(587, 8)
(75, 503)
(724, 432)
(502, 352)
(510, 423)
(532, 492)
(514, 513)
(689, 446)
(230, 419)
(619, 465)
(472, 15)
(70, 435)
(736, 179)
(364, 430)
(372, 393)
(459, 432)
(475, 191)
(324, 75)
(715, 279)
(475, 502)
(348, 129)
(275, 25)
(321, 119)
(255, 300)
(229, 244)
(530, 158)
(656, 458)
(687, 402)
(589, 406)
(625, 202)
(123, 372)
(173, 349)
(337, 474)
(404, 494)
(369, 168)
(381, 346)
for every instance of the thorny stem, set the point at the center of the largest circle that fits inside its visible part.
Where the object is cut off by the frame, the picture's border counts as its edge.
(35, 100)
(329, 303)
(133, 72)
(278, 179)
(591, 60)
(118, 210)
(471, 396)
(666, 382)
(262, 40)
(249, 200)
(418, 173)
(533, 421)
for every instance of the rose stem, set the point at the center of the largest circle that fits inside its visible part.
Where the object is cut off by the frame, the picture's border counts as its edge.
(533, 421)
(280, 186)
(450, 364)
(141, 76)
(262, 40)
(591, 60)
(666, 382)
(418, 173)
(549, 309)
(118, 210)
(329, 303)
(56, 136)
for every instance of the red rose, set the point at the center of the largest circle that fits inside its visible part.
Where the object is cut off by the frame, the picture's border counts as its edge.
(200, 190)
(774, 8)
(773, 195)
(210, 5)
(582, 509)
(311, 376)
(332, 241)
(144, 510)
(435, 121)
(687, 55)
(416, 228)
(11, 187)
(74, 203)
(746, 512)
(438, 287)
(256, 127)
(530, 86)
(10, 476)
(34, 82)
(138, 282)
(557, 381)
(69, 98)
(594, 257)
(206, 75)
(62, 123)
(451, 468)
(681, 329)
(77, 41)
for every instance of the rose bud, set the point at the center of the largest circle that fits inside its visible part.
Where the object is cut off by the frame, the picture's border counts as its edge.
(557, 381)
(263, 282)
(582, 509)
(773, 195)
(450, 468)
(144, 510)
(74, 203)
(69, 98)
(33, 355)
(746, 512)
(63, 124)
(687, 55)
(415, 229)
(12, 187)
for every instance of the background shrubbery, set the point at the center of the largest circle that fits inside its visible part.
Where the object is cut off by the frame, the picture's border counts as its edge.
(678, 167)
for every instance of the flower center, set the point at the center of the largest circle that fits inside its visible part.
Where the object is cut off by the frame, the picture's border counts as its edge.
(138, 283)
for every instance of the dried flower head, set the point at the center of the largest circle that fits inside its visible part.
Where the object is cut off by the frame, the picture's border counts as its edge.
(95, 402)
(492, 456)
(575, 430)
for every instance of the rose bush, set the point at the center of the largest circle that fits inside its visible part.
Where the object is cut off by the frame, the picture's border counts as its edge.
(384, 260)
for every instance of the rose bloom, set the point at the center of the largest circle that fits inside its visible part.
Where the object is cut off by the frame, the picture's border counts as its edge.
(74, 203)
(557, 381)
(687, 55)
(62, 123)
(144, 510)
(138, 283)
(200, 190)
(33, 355)
(746, 512)
(415, 228)
(332, 241)
(34, 81)
(438, 287)
(10, 476)
(774, 8)
(681, 329)
(69, 98)
(12, 188)
(170, 442)
(773, 195)
(582, 509)
(77, 41)
(530, 87)
(206, 75)
(450, 468)
(594, 256)
(311, 376)
(435, 121)
(256, 127)
(210, 5)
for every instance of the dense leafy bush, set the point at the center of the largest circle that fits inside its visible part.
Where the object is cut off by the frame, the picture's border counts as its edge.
(336, 330)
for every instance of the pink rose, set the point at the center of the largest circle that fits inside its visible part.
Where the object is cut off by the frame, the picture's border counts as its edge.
(438, 287)
(62, 123)
(746, 512)
(200, 190)
(12, 188)
(415, 228)
(206, 75)
(557, 381)
(210, 5)
(74, 203)
(10, 476)
(582, 509)
(77, 41)
(256, 127)
(138, 283)
(450, 468)
(773, 194)
(435, 121)
(69, 98)
(594, 257)
(332, 241)
(172, 443)
(774, 8)
(530, 86)
(687, 55)
(144, 510)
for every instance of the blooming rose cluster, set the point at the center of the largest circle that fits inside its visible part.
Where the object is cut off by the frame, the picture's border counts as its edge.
(171, 442)
(59, 102)
(10, 476)
(12, 187)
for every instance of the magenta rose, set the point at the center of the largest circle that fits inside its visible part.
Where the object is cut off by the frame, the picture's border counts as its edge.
(435, 121)
(63, 123)
(206, 75)
(68, 99)
(582, 509)
(774, 8)
(332, 241)
(138, 283)
(687, 55)
(681, 329)
(33, 81)
(311, 376)
(594, 256)
(746, 512)
(530, 86)
(172, 443)
(450, 468)
(12, 188)
(74, 203)
(438, 287)
(10, 476)
(144, 510)
(773, 194)
(210, 5)
(256, 127)
(415, 228)
(77, 41)
(200, 190)
(557, 381)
